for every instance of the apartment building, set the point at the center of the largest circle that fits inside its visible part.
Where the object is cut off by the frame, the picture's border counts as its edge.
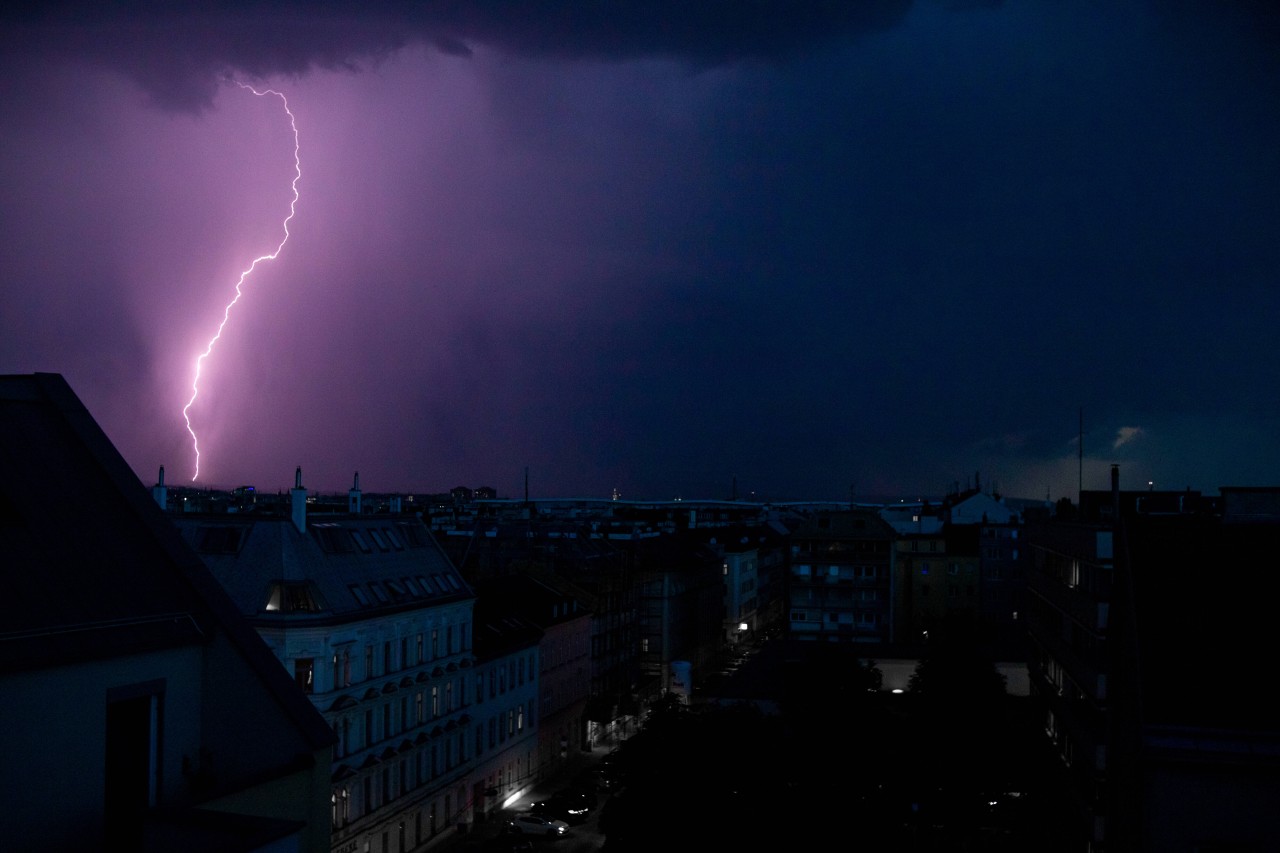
(375, 625)
(507, 717)
(564, 659)
(1148, 643)
(842, 578)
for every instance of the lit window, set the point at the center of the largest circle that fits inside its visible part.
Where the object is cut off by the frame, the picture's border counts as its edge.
(292, 598)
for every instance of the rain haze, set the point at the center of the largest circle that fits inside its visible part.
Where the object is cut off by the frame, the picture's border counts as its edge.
(785, 250)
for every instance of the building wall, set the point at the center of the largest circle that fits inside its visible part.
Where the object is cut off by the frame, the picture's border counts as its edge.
(842, 579)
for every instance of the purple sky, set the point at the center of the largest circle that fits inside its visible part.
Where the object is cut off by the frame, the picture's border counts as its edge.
(656, 250)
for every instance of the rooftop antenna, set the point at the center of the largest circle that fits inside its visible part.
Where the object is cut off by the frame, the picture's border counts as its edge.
(1080, 464)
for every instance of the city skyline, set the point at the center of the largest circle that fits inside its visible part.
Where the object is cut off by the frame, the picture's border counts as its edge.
(805, 253)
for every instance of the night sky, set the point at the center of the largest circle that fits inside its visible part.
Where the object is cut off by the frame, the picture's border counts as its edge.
(810, 249)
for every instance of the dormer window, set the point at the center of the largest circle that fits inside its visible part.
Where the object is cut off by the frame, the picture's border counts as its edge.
(293, 598)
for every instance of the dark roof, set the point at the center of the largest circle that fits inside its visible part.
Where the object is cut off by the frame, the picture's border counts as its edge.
(500, 626)
(93, 568)
(528, 597)
(847, 524)
(392, 561)
(86, 574)
(741, 537)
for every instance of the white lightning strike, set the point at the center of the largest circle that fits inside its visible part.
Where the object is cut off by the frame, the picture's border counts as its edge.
(226, 313)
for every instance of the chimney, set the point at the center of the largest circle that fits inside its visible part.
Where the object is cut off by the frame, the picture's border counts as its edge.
(1115, 491)
(395, 505)
(298, 497)
(160, 492)
(353, 496)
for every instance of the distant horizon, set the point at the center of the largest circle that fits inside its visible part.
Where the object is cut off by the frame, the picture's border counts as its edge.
(857, 500)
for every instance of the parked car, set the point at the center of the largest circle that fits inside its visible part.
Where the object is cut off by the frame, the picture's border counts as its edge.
(536, 824)
(569, 809)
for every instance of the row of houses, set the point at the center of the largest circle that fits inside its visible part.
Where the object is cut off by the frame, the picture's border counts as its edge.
(366, 672)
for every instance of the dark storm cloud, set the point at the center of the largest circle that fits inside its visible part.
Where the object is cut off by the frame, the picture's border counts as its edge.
(178, 54)
(871, 247)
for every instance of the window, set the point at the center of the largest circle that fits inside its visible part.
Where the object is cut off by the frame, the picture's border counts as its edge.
(133, 720)
(419, 707)
(341, 669)
(304, 673)
(420, 649)
(368, 662)
(360, 541)
(292, 598)
(378, 540)
(340, 802)
(359, 594)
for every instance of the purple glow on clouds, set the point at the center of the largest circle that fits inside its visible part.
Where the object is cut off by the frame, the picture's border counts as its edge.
(884, 259)
(248, 271)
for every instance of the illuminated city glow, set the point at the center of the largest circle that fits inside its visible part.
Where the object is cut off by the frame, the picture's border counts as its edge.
(226, 312)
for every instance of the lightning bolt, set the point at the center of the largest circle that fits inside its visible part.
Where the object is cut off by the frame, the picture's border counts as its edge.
(226, 312)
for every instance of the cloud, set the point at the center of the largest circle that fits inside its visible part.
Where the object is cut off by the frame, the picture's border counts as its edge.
(1127, 435)
(177, 55)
